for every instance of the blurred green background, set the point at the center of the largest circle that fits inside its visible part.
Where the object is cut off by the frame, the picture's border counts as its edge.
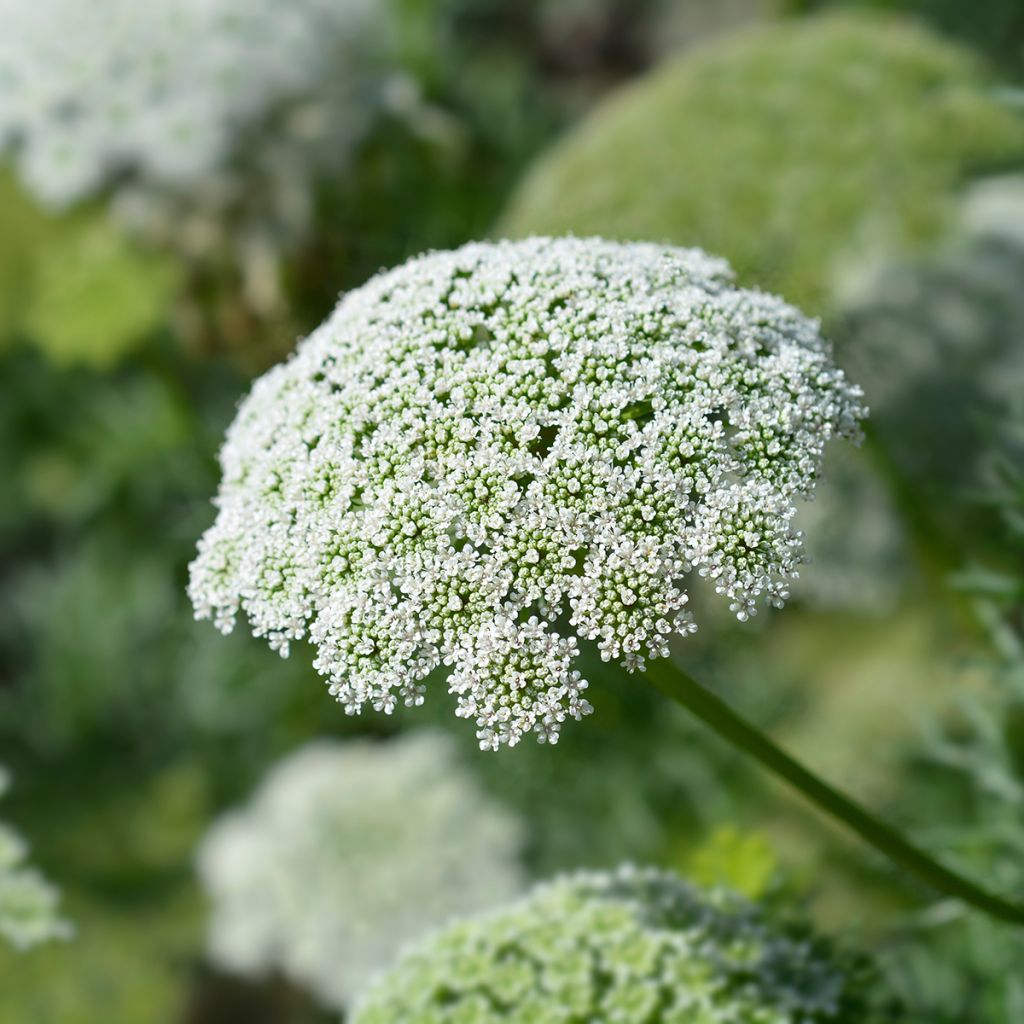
(864, 159)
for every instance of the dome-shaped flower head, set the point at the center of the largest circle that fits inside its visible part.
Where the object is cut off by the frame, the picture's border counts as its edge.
(346, 852)
(165, 90)
(487, 454)
(633, 946)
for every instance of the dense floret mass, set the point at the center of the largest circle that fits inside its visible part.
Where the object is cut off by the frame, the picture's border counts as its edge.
(487, 454)
(633, 946)
(163, 89)
(796, 149)
(29, 911)
(346, 852)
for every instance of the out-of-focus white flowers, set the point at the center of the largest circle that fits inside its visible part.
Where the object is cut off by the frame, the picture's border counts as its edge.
(347, 851)
(937, 344)
(632, 946)
(94, 96)
(797, 150)
(860, 553)
(28, 902)
(487, 453)
(994, 208)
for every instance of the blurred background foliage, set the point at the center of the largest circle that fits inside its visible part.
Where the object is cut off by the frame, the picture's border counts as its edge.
(861, 158)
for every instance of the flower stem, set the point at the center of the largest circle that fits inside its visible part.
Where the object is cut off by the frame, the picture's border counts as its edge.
(682, 688)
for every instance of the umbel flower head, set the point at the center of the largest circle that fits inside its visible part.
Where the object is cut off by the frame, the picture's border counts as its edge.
(347, 851)
(164, 90)
(487, 454)
(633, 946)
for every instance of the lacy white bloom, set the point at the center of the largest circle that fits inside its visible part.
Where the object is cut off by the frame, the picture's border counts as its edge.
(488, 453)
(347, 851)
(634, 947)
(28, 902)
(164, 89)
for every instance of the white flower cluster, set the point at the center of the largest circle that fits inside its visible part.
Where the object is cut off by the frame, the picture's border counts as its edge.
(487, 453)
(164, 89)
(348, 850)
(28, 902)
(633, 946)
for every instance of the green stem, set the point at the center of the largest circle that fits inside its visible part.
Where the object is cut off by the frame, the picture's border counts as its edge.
(682, 688)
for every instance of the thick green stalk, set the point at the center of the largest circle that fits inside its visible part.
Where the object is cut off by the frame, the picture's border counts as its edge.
(682, 688)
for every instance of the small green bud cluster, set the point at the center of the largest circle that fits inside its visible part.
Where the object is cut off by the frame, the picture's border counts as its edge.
(634, 947)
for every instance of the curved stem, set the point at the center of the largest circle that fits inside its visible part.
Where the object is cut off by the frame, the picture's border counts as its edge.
(682, 688)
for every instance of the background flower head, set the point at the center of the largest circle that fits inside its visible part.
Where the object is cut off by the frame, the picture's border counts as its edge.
(165, 92)
(795, 149)
(347, 851)
(29, 911)
(637, 946)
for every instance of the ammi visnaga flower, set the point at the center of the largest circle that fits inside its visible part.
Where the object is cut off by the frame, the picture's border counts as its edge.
(635, 946)
(348, 851)
(486, 455)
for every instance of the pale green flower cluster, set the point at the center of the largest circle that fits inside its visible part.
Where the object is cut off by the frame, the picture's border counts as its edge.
(631, 947)
(487, 454)
(347, 851)
(796, 149)
(28, 902)
(165, 90)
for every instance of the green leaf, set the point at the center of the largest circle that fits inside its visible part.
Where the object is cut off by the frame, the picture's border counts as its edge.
(96, 294)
